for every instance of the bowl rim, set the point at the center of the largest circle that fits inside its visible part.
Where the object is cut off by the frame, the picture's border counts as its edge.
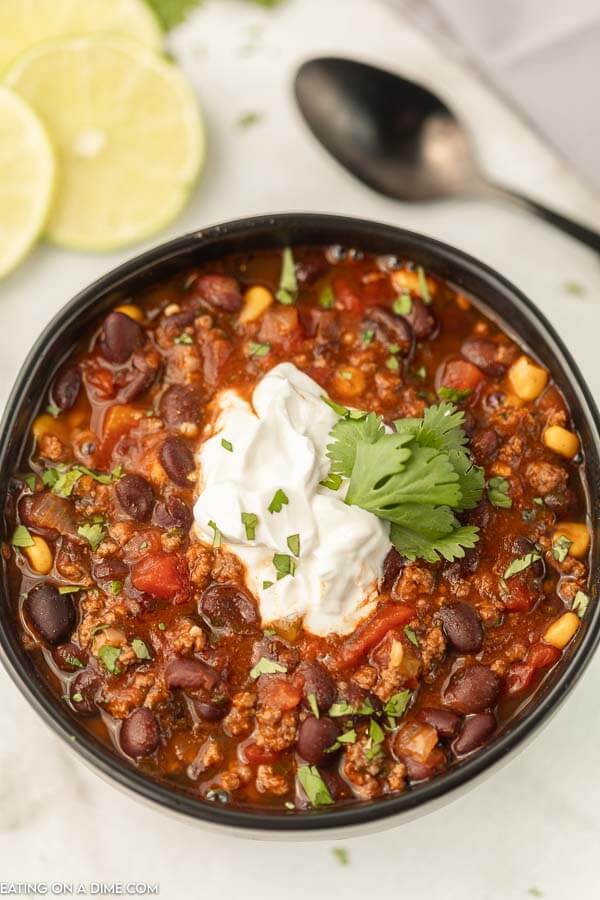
(245, 819)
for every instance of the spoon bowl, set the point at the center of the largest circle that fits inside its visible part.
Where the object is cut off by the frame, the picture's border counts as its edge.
(402, 140)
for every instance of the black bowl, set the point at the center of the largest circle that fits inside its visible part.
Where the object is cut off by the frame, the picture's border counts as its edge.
(499, 299)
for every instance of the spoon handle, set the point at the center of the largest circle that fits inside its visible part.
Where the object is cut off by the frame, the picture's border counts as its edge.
(586, 235)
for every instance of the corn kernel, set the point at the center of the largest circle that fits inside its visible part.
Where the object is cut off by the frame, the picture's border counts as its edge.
(560, 632)
(39, 556)
(349, 382)
(462, 302)
(561, 441)
(576, 532)
(129, 309)
(47, 424)
(256, 300)
(408, 280)
(527, 380)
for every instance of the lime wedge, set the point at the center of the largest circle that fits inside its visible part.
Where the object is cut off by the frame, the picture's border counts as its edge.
(127, 131)
(26, 179)
(27, 22)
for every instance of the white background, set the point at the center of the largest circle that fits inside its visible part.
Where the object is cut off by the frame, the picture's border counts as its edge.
(535, 824)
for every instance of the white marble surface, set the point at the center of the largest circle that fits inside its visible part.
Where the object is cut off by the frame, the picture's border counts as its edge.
(535, 824)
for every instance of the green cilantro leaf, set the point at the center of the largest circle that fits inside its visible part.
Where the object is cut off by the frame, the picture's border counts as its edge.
(293, 543)
(69, 588)
(266, 667)
(278, 502)
(326, 297)
(173, 12)
(258, 349)
(267, 584)
(50, 477)
(347, 434)
(580, 603)
(250, 521)
(108, 657)
(392, 363)
(216, 541)
(402, 305)
(73, 661)
(140, 649)
(341, 854)
(53, 410)
(412, 637)
(315, 788)
(116, 587)
(288, 284)
(497, 489)
(30, 481)
(376, 732)
(66, 481)
(184, 338)
(94, 534)
(227, 445)
(397, 704)
(471, 479)
(413, 545)
(284, 565)
(423, 286)
(560, 548)
(520, 564)
(314, 706)
(21, 537)
(333, 482)
(368, 336)
(454, 395)
(341, 708)
(440, 427)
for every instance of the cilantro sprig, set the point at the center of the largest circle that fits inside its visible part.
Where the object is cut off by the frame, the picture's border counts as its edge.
(416, 478)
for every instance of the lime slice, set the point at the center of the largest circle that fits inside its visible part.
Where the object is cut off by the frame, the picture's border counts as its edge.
(26, 179)
(128, 134)
(27, 22)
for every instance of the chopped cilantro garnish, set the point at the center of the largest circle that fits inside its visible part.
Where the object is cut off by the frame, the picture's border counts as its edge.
(423, 286)
(284, 565)
(348, 737)
(162, 626)
(560, 548)
(250, 521)
(288, 284)
(332, 481)
(73, 661)
(293, 543)
(522, 563)
(497, 489)
(258, 349)
(216, 541)
(367, 336)
(421, 373)
(77, 697)
(341, 854)
(69, 588)
(396, 705)
(116, 587)
(53, 410)
(342, 708)
(227, 445)
(538, 501)
(326, 297)
(184, 338)
(30, 481)
(345, 374)
(314, 706)
(108, 657)
(376, 733)
(21, 537)
(66, 481)
(315, 788)
(394, 348)
(140, 649)
(402, 305)
(266, 667)
(392, 363)
(410, 634)
(278, 502)
(248, 119)
(93, 533)
(416, 478)
(267, 584)
(50, 477)
(454, 395)
(102, 477)
(580, 603)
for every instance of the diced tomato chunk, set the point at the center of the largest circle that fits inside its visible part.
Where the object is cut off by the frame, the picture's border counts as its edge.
(462, 375)
(520, 597)
(388, 616)
(345, 296)
(518, 678)
(279, 691)
(256, 755)
(540, 656)
(163, 575)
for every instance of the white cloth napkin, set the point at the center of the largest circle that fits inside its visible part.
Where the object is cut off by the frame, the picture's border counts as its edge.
(543, 55)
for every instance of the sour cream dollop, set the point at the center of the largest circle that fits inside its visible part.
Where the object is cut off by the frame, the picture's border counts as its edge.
(278, 443)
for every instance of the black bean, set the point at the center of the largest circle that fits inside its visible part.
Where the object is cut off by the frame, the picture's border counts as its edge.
(138, 380)
(83, 692)
(482, 353)
(66, 387)
(109, 569)
(139, 735)
(181, 403)
(392, 566)
(318, 683)
(173, 513)
(422, 320)
(121, 336)
(214, 709)
(476, 731)
(135, 497)
(462, 626)
(315, 737)
(473, 690)
(444, 721)
(219, 292)
(390, 329)
(522, 546)
(229, 606)
(190, 675)
(51, 614)
(464, 567)
(177, 460)
(68, 657)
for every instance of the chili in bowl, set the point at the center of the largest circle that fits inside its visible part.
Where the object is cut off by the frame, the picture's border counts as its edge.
(298, 530)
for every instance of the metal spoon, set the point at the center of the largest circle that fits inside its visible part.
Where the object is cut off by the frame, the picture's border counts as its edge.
(400, 139)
